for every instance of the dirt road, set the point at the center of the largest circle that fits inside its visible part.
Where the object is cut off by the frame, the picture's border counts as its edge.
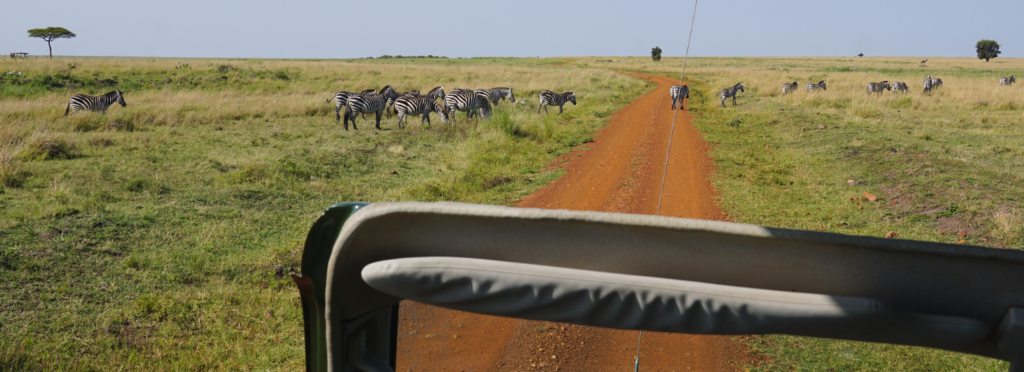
(620, 172)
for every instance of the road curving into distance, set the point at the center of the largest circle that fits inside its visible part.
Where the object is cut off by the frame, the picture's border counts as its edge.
(621, 171)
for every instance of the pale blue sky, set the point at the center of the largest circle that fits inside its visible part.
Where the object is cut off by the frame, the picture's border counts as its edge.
(347, 29)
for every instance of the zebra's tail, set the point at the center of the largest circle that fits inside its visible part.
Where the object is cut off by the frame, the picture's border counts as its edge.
(67, 110)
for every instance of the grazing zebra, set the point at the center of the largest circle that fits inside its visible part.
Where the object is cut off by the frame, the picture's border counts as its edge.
(936, 82)
(928, 84)
(789, 87)
(677, 93)
(548, 97)
(94, 103)
(878, 87)
(899, 86)
(410, 105)
(468, 101)
(497, 94)
(730, 92)
(1008, 80)
(361, 104)
(813, 87)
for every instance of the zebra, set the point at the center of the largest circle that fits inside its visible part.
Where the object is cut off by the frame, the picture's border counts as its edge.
(1008, 80)
(677, 93)
(437, 92)
(361, 104)
(468, 101)
(928, 84)
(936, 82)
(548, 97)
(789, 87)
(730, 92)
(392, 95)
(813, 87)
(410, 105)
(899, 86)
(878, 87)
(341, 100)
(497, 94)
(94, 103)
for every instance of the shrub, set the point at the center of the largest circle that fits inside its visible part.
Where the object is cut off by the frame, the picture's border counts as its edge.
(50, 148)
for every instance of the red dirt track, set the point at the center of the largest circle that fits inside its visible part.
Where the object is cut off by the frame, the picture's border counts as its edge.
(621, 171)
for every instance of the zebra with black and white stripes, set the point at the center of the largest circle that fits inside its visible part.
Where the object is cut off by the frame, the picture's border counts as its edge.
(730, 92)
(789, 87)
(549, 98)
(437, 92)
(341, 100)
(677, 93)
(468, 101)
(936, 82)
(361, 104)
(878, 87)
(500, 93)
(899, 86)
(410, 105)
(94, 103)
(928, 84)
(1008, 80)
(813, 87)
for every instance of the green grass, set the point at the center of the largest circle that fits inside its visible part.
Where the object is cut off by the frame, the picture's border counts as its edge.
(161, 236)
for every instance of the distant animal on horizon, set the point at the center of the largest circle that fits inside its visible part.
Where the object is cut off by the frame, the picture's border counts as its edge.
(94, 103)
(1008, 80)
(925, 61)
(677, 93)
(548, 97)
(410, 105)
(813, 87)
(898, 86)
(878, 87)
(789, 87)
(730, 92)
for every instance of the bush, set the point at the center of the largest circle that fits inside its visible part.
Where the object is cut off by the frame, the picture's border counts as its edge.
(50, 148)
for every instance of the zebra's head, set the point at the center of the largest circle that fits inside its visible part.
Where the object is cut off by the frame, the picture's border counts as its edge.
(441, 111)
(739, 87)
(822, 84)
(572, 98)
(120, 98)
(510, 96)
(439, 91)
(387, 90)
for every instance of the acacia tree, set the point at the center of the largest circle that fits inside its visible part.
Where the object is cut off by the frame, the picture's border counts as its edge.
(656, 54)
(987, 49)
(50, 34)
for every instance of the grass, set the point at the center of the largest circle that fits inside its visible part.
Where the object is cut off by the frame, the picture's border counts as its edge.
(944, 167)
(160, 236)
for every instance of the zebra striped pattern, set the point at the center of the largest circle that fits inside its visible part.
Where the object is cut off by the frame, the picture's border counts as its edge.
(360, 104)
(94, 103)
(341, 100)
(878, 87)
(1008, 80)
(899, 86)
(468, 101)
(789, 87)
(677, 93)
(548, 97)
(497, 94)
(437, 92)
(928, 84)
(409, 105)
(813, 87)
(936, 82)
(730, 92)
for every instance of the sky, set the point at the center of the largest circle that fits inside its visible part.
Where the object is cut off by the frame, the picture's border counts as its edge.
(522, 28)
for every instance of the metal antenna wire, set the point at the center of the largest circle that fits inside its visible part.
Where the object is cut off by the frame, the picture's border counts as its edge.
(664, 173)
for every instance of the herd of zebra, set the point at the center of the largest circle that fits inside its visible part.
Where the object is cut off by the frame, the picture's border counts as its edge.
(476, 102)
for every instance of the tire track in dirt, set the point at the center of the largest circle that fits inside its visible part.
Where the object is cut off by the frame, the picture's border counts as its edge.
(621, 171)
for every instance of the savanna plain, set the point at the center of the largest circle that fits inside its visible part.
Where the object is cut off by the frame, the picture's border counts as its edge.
(160, 236)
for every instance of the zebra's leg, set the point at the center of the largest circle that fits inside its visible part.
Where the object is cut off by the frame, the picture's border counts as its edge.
(560, 109)
(734, 100)
(379, 114)
(426, 117)
(723, 100)
(541, 104)
(337, 115)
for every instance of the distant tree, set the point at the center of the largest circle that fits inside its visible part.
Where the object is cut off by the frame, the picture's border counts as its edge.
(987, 49)
(860, 55)
(50, 34)
(656, 54)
